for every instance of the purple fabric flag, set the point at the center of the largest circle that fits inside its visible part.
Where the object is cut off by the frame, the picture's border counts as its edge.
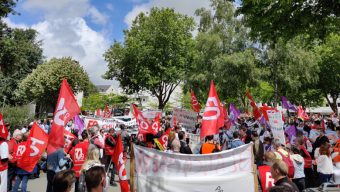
(286, 104)
(78, 124)
(291, 131)
(234, 113)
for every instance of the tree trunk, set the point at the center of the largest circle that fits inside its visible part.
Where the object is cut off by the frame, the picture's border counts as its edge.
(333, 104)
(161, 103)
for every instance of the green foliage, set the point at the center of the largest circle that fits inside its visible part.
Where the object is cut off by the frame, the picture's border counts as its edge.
(43, 84)
(186, 101)
(6, 7)
(271, 20)
(264, 92)
(329, 64)
(17, 116)
(155, 56)
(20, 53)
(99, 101)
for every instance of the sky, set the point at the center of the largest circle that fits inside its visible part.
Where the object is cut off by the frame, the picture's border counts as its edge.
(85, 29)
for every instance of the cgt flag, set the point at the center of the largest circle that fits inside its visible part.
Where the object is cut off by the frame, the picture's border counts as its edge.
(107, 112)
(156, 124)
(67, 108)
(194, 102)
(144, 126)
(118, 160)
(213, 117)
(34, 148)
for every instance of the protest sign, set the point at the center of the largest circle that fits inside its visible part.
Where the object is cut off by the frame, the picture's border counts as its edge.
(107, 123)
(185, 117)
(151, 114)
(230, 170)
(276, 125)
(194, 142)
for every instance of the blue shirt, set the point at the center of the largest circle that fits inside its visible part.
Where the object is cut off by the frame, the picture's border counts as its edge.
(236, 143)
(56, 160)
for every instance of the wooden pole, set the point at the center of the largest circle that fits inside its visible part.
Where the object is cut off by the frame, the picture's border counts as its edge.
(132, 168)
(256, 183)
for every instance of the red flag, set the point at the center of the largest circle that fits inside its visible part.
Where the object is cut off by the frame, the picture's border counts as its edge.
(256, 111)
(264, 110)
(266, 178)
(302, 114)
(144, 126)
(3, 128)
(69, 137)
(164, 138)
(107, 112)
(194, 102)
(67, 108)
(118, 160)
(174, 122)
(227, 122)
(213, 117)
(35, 147)
(98, 113)
(156, 124)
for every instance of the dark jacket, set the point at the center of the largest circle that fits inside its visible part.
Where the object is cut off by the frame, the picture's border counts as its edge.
(286, 184)
(185, 148)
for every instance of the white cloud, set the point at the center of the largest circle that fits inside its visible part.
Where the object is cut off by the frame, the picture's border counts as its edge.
(97, 17)
(187, 7)
(110, 7)
(15, 25)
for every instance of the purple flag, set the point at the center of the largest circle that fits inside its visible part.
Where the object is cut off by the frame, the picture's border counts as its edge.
(286, 104)
(234, 113)
(78, 124)
(291, 131)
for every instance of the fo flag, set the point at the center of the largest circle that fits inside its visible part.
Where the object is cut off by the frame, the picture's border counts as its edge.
(118, 160)
(107, 112)
(256, 111)
(67, 108)
(194, 102)
(213, 117)
(35, 147)
(144, 126)
(3, 128)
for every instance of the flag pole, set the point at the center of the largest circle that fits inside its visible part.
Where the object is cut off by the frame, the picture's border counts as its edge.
(256, 184)
(132, 168)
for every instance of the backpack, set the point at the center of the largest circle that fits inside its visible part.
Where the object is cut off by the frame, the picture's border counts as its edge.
(289, 164)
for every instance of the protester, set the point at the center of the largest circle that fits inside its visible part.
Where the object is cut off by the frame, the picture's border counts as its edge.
(64, 181)
(3, 164)
(17, 137)
(299, 175)
(95, 178)
(258, 149)
(184, 147)
(110, 143)
(78, 155)
(282, 154)
(279, 171)
(321, 138)
(236, 142)
(209, 146)
(324, 164)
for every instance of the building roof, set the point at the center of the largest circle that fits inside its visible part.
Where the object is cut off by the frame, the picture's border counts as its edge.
(102, 88)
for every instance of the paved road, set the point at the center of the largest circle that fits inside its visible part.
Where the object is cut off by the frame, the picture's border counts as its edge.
(40, 184)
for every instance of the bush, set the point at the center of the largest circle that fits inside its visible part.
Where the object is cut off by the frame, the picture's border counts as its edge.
(17, 116)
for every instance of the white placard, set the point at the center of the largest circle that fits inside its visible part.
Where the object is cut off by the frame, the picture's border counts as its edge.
(187, 118)
(229, 170)
(276, 125)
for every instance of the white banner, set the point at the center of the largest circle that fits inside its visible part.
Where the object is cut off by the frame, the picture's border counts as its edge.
(186, 117)
(276, 125)
(107, 123)
(230, 170)
(151, 114)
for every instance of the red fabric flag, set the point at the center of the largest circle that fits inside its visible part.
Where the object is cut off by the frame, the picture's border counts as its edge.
(35, 147)
(67, 108)
(264, 110)
(256, 111)
(69, 137)
(118, 160)
(98, 113)
(144, 126)
(164, 139)
(194, 102)
(156, 124)
(3, 128)
(302, 114)
(107, 112)
(227, 121)
(213, 117)
(266, 178)
(174, 122)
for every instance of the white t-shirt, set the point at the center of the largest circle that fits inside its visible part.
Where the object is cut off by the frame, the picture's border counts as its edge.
(4, 150)
(325, 165)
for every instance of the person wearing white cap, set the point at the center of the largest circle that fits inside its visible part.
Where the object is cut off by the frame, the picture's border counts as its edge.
(16, 139)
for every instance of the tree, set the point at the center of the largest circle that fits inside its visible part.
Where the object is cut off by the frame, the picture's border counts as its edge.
(6, 7)
(329, 75)
(225, 55)
(155, 56)
(20, 53)
(99, 101)
(43, 84)
(271, 20)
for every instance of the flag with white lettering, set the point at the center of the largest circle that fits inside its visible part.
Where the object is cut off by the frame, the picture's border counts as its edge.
(35, 147)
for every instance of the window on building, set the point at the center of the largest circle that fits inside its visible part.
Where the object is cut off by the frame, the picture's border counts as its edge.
(338, 104)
